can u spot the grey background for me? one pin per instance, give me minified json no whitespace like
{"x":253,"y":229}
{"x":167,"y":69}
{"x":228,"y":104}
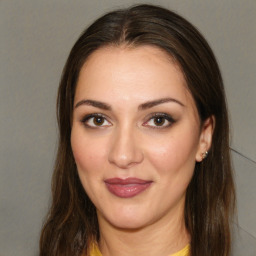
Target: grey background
{"x":36,"y":37}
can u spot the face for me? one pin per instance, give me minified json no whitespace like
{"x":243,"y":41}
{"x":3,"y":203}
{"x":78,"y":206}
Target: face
{"x":135,"y":135}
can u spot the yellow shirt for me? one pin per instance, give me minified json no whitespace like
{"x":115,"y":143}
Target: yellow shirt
{"x":184,"y":252}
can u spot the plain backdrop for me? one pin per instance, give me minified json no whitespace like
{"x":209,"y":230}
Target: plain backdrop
{"x":36,"y":37}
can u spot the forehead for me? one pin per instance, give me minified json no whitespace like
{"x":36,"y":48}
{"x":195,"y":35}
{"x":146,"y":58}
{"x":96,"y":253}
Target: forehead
{"x":131,"y":73}
{"x":137,"y":56}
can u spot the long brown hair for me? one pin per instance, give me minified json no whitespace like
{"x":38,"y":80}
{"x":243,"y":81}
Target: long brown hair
{"x":71,"y":224}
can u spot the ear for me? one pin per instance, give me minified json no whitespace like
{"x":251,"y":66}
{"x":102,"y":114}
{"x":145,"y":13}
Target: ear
{"x":205,"y":140}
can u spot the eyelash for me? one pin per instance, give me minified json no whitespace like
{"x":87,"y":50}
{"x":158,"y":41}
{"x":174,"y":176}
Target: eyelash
{"x":165,"y":116}
{"x":153,"y":117}
{"x":87,"y":118}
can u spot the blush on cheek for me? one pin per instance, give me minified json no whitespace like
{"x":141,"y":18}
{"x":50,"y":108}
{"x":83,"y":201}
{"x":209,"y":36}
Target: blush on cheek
{"x":77,"y":152}
{"x":170,"y":158}
{"x":81,"y":152}
{"x":84,"y":159}
{"x":165,"y":155}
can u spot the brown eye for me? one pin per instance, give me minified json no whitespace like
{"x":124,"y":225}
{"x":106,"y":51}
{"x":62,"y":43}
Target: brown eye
{"x":98,"y":121}
{"x":159,"y":121}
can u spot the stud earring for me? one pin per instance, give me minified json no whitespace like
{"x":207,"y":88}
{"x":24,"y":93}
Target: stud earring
{"x":204,"y":155}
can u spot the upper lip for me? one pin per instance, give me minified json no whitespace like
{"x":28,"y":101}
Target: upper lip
{"x":126,"y":181}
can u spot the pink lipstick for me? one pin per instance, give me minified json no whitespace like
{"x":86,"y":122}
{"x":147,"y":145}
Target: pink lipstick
{"x":126,"y":188}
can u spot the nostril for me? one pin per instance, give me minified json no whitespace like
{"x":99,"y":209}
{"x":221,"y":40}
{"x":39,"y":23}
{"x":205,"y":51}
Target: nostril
{"x":125,"y":154}
{"x":124,"y":161}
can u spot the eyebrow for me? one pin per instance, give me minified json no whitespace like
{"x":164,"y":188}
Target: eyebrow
{"x":154,"y":103}
{"x":94,"y":103}
{"x":143,"y":106}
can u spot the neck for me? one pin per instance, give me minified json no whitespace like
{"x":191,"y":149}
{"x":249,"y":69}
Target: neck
{"x":164,"y":237}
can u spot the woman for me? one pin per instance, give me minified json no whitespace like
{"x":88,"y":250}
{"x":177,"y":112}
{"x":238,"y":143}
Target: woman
{"x":143,"y":164}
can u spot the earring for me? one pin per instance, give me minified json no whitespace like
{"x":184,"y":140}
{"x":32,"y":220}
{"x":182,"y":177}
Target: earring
{"x":204,"y":155}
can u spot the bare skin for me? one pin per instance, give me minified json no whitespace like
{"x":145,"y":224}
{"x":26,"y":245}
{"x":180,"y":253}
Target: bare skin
{"x":134,"y":119}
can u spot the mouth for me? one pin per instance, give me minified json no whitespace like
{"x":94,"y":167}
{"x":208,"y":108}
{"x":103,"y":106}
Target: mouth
{"x":126,"y":188}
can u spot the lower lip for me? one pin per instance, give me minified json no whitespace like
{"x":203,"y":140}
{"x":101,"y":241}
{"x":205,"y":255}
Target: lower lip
{"x":127,"y":190}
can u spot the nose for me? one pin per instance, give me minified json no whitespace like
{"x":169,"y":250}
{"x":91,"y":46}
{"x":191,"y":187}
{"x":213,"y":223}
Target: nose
{"x":125,"y":150}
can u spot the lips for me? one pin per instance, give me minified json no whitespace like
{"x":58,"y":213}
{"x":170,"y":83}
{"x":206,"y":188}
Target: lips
{"x":126,"y":188}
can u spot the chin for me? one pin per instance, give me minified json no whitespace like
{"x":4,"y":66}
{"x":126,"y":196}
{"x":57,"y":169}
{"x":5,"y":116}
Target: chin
{"x":126,"y":219}
{"x":128,"y":224}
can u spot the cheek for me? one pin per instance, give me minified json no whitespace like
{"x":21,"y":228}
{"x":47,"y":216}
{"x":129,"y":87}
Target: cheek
{"x":89,"y":153}
{"x":90,"y":158}
{"x":175,"y":154}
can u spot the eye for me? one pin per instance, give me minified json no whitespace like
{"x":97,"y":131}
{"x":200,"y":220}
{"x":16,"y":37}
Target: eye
{"x":160,"y":120}
{"x":95,"y":120}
